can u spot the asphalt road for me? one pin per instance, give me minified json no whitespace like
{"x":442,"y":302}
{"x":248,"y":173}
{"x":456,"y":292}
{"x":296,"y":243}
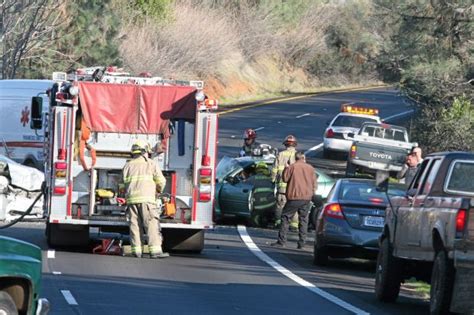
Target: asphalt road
{"x":227,"y":278}
{"x":305,"y":118}
{"x":230,"y":276}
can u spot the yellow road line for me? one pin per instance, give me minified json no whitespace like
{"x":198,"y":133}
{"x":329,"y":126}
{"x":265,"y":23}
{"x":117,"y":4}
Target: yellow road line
{"x":299,"y":97}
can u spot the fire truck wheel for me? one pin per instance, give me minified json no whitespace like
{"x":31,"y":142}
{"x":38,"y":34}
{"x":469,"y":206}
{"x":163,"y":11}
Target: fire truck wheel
{"x":183,"y":240}
{"x":58,"y":235}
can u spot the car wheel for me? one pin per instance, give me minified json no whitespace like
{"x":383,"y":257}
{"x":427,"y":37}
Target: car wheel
{"x":313,"y":217}
{"x":320,"y":254}
{"x":350,"y":169}
{"x":7,"y":305}
{"x":442,"y":280}
{"x":387,"y":274}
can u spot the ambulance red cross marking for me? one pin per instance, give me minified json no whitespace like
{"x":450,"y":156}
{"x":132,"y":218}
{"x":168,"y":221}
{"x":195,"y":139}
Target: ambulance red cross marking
{"x":25,"y":116}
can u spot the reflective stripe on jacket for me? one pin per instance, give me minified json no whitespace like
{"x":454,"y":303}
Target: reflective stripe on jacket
{"x":284,"y":158}
{"x":263,"y":192}
{"x":142,"y":177}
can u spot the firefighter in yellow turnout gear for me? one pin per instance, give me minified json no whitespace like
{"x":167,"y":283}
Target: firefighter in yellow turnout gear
{"x":142,"y":179}
{"x":263,"y":195}
{"x":285,"y":158}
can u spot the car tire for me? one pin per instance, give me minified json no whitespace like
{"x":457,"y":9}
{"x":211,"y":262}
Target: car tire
{"x":442,"y":281}
{"x":313,"y":217}
{"x":7,"y":305}
{"x":320,"y":254}
{"x":66,"y":235}
{"x":350,"y":169}
{"x":388,"y":274}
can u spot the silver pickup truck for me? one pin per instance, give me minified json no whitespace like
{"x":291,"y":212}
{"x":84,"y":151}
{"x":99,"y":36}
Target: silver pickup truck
{"x":378,"y":147}
{"x":429,"y":234}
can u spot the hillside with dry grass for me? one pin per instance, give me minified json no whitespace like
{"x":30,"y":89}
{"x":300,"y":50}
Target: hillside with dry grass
{"x":248,"y":49}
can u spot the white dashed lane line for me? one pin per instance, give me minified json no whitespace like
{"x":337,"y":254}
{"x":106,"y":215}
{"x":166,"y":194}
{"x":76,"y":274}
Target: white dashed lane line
{"x":259,"y":128}
{"x":57,"y":273}
{"x":315,"y":148}
{"x":69,"y":298}
{"x":304,"y":115}
{"x":265,"y":258}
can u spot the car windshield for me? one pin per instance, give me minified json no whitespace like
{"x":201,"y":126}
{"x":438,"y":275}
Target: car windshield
{"x":460,"y":179}
{"x":379,"y":131}
{"x":351,"y":121}
{"x":226,"y":166}
{"x":366,"y":192}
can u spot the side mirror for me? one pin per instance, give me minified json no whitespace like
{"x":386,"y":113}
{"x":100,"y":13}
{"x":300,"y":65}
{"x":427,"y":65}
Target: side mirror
{"x":381,"y":181}
{"x":36,"y":113}
{"x":328,"y":122}
{"x":350,"y":135}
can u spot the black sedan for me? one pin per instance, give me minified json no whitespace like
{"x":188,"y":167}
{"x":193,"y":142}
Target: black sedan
{"x":351,"y":220}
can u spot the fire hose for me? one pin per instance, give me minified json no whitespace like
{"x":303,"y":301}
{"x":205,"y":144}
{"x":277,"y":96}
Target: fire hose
{"x":27,"y":212}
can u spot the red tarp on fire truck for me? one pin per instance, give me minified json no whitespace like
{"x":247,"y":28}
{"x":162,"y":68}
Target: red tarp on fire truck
{"x":131,"y":108}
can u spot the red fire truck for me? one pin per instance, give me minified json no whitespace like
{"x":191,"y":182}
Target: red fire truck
{"x":94,"y":117}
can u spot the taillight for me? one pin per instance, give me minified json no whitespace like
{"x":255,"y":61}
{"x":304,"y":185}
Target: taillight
{"x":353,"y":151}
{"x":204,"y":196}
{"x":62,"y":154}
{"x":205,"y":184}
{"x":60,"y":181}
{"x":460,"y":222}
{"x":59,"y":190}
{"x":376,"y":200}
{"x":333,"y":210}
{"x":329,"y":133}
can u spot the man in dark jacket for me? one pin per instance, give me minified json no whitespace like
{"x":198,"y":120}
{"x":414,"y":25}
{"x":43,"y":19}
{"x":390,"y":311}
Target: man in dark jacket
{"x":409,"y":170}
{"x":301,"y":185}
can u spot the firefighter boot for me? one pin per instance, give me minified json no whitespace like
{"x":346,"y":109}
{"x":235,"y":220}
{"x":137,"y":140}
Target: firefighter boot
{"x":159,"y":255}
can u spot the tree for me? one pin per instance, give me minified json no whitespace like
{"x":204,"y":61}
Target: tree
{"x":430,"y":52}
{"x":24,"y":25}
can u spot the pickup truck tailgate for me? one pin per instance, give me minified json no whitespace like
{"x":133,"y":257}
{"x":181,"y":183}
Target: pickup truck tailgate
{"x":380,"y":154}
{"x":463,"y":291}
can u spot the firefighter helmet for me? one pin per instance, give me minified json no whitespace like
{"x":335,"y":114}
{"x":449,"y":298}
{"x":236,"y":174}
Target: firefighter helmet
{"x":140,"y":147}
{"x":250,"y":134}
{"x":290,"y":140}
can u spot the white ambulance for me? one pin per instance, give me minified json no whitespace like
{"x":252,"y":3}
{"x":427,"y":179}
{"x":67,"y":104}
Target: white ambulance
{"x":91,"y":125}
{"x":17,"y":140}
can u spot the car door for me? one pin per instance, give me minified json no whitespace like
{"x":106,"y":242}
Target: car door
{"x":429,"y":206}
{"x":408,"y":220}
{"x":235,"y":197}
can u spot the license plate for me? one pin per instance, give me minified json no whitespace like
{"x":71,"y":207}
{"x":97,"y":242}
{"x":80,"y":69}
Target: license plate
{"x":374,"y":221}
{"x":375,"y":165}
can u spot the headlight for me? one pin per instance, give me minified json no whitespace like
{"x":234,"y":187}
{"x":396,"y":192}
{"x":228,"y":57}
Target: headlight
{"x":200,"y":96}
